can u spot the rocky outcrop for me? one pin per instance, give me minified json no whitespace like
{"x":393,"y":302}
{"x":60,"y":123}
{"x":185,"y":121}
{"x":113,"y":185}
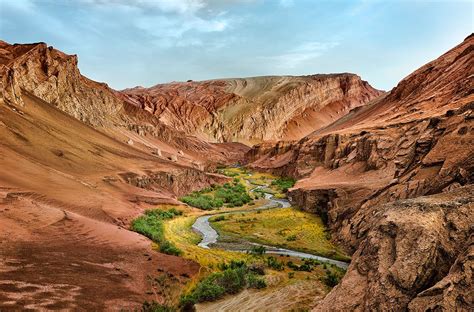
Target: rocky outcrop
{"x":417,"y":140}
{"x":254,"y":109}
{"x":179,"y":182}
{"x":417,"y":253}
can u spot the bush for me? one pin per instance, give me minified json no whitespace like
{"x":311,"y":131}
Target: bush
{"x":283,"y":184}
{"x":151,"y":225}
{"x":234,"y":195}
{"x":234,"y":277}
{"x":291,"y":238}
{"x":291,"y":274}
{"x":232,"y":280}
{"x":255,"y":282}
{"x":304,"y":267}
{"x":234,"y":264}
{"x":169,"y":248}
{"x":207,"y":290}
{"x":273,"y":263}
{"x":331,"y":279}
{"x":154,"y":306}
{"x":187,"y":302}
{"x":218,"y":218}
{"x":258,"y":250}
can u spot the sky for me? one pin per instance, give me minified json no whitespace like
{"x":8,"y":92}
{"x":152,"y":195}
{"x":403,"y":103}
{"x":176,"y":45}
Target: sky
{"x":128,"y":43}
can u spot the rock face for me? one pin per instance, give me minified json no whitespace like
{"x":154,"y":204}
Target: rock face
{"x":417,"y":253}
{"x":251,"y":110}
{"x":54,"y":77}
{"x":415,"y":141}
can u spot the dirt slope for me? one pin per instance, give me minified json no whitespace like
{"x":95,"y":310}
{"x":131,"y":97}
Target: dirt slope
{"x":250,"y":110}
{"x":416,"y":140}
{"x":76,"y":166}
{"x":54,"y":77}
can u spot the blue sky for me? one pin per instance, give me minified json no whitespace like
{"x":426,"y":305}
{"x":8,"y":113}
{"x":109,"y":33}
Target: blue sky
{"x":144,"y":42}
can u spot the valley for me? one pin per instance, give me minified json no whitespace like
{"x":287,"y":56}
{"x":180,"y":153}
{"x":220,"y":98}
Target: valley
{"x":269,"y":193}
{"x":276,"y":268}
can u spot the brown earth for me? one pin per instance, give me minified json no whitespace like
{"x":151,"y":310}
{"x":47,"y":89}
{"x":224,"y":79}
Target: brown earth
{"x":77,"y":165}
{"x":416,"y":140}
{"x":252,"y":110}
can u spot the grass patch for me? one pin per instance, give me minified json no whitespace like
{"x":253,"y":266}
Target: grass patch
{"x":232,"y":194}
{"x":154,"y":306}
{"x":286,"y":227}
{"x":232,"y":278}
{"x":180,"y":233}
{"x":284,"y":183}
{"x":151,"y":225}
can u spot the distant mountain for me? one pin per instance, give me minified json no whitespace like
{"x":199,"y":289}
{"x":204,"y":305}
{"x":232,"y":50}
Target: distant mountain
{"x":252,"y":110}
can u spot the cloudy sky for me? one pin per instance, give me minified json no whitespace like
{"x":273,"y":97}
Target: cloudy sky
{"x":144,"y":42}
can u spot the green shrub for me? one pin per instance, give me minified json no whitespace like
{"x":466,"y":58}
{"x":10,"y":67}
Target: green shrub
{"x":291,"y":274}
{"x":233,"y":195}
{"x":154,"y":306}
{"x":284,"y":183}
{"x":232,"y":280}
{"x":291,"y":238}
{"x":169,"y":248}
{"x":273,"y":263}
{"x":255,"y":282}
{"x":234,"y":264}
{"x":208,"y":290}
{"x":234,"y":277}
{"x":331,"y":279}
{"x":151,"y":225}
{"x":304,"y":267}
{"x":218,"y":218}
{"x":258,"y":250}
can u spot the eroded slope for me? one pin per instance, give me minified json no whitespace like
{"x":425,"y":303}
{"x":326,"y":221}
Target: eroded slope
{"x":255,"y":109}
{"x":417,"y":140}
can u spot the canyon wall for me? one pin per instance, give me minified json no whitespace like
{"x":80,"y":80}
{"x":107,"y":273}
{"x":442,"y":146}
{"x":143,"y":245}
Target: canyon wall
{"x":417,"y":140}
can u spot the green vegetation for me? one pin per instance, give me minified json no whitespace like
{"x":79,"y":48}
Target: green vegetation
{"x":202,"y":201}
{"x":151,"y":225}
{"x":258,"y":250}
{"x":284,"y":227}
{"x":218,"y":218}
{"x":283,"y":184}
{"x":273,"y":263}
{"x":231,"y":194}
{"x":154,"y":306}
{"x":331,"y":279}
{"x":232,"y":279}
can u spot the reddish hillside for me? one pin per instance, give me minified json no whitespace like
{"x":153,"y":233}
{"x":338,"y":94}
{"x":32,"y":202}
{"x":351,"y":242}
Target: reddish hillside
{"x":77,"y":164}
{"x":251,"y":110}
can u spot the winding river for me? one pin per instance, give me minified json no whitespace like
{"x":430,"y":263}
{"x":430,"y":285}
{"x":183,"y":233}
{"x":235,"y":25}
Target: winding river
{"x":210,"y":235}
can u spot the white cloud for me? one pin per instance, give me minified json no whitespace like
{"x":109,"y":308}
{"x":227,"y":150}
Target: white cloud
{"x":301,"y":54}
{"x":166,"y":6}
{"x":168,"y":23}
